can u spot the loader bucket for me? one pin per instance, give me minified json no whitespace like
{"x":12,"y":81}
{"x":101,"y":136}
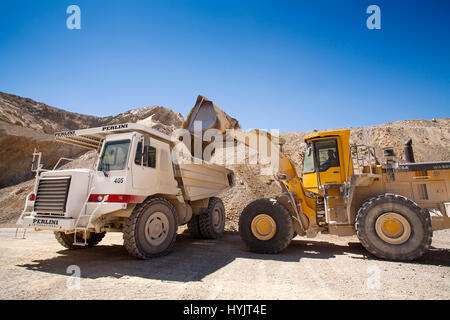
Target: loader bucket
{"x":210,"y":116}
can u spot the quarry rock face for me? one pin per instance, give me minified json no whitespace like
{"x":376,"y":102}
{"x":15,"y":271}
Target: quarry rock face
{"x":26,"y":124}
{"x":27,"y":113}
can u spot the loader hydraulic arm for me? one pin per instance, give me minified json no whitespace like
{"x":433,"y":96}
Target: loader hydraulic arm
{"x":212,"y":117}
{"x":285,"y":174}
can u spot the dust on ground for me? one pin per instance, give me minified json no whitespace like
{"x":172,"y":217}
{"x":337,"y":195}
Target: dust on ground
{"x":326,"y":267}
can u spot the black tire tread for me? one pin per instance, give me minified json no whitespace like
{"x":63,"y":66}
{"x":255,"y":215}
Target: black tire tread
{"x":280,"y":241}
{"x":380,"y":198}
{"x":129,"y":231}
{"x":67,"y":240}
{"x":194,"y":226}
{"x":205,"y":220}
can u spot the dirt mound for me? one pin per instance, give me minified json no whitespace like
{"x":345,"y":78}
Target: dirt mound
{"x":157,"y":117}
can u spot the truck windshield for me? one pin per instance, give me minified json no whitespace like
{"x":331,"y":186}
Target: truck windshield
{"x":114,"y":155}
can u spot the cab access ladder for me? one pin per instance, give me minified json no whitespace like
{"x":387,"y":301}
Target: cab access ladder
{"x":83,"y":227}
{"x":343,"y":195}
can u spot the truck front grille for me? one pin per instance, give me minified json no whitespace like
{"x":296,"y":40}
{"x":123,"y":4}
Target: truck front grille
{"x":51,"y":196}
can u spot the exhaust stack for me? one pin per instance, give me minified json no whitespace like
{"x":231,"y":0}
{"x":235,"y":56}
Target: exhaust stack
{"x":409,"y":153}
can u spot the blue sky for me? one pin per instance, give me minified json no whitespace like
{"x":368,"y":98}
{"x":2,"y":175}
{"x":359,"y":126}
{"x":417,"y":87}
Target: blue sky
{"x":289,"y":65}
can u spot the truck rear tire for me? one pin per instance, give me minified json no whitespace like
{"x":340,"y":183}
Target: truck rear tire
{"x":209,"y":225}
{"x":151,"y":230}
{"x":194,"y":227}
{"x":266,"y":226}
{"x":393,"y":227}
{"x":212,"y":223}
{"x":67,"y":240}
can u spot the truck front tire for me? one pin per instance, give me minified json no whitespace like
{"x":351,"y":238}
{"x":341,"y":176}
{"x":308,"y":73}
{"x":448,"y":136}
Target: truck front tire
{"x":67,"y":240}
{"x":151,"y":230}
{"x":393,"y":227}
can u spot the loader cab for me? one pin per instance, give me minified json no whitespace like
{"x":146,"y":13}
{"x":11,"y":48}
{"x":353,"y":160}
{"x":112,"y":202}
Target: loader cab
{"x":326,"y":159}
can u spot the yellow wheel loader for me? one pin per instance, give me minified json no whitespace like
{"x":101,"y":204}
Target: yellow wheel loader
{"x":393,"y":208}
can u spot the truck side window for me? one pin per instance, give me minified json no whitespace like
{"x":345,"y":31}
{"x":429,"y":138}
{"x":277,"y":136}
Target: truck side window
{"x":327,"y":154}
{"x":151,"y":155}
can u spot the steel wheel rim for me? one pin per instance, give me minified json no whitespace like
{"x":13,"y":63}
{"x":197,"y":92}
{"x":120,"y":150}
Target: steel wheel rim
{"x":217,"y":219}
{"x":156,"y":228}
{"x":393,"y":228}
{"x":263,"y":227}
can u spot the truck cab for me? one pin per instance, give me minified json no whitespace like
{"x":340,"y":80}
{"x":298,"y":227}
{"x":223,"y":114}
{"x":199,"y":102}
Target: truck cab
{"x":134,"y":164}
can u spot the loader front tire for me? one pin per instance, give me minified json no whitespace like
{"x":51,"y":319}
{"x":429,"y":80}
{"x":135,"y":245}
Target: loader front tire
{"x":266,"y":226}
{"x":67,"y":240}
{"x":393,"y":227}
{"x":151,"y":230}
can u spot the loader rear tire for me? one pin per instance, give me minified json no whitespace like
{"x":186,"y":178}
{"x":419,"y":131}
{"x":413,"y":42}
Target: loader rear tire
{"x":266,"y":226}
{"x":67,"y":240}
{"x":212,"y":223}
{"x":151,"y":230}
{"x":393,"y":227}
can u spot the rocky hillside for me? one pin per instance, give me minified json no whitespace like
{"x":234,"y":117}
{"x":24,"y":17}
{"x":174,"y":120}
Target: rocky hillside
{"x":27,"y":113}
{"x":26,"y":124}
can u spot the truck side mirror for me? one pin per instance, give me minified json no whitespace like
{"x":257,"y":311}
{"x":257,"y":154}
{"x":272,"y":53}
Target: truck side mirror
{"x":34,"y":165}
{"x":138,"y":157}
{"x":145,"y":150}
{"x":36,"y":162}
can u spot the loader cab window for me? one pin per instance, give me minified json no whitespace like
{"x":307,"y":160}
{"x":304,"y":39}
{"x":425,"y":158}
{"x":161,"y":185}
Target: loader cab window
{"x":327,"y":154}
{"x":114,"y":155}
{"x":149,"y":158}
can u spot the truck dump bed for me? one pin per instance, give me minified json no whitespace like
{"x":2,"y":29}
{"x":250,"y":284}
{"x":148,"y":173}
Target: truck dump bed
{"x":200,"y":181}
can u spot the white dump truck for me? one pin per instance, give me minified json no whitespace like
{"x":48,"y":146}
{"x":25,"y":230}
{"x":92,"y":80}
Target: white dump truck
{"x":135,"y":187}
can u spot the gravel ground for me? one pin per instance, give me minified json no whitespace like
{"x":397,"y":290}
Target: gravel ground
{"x":326,"y":267}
